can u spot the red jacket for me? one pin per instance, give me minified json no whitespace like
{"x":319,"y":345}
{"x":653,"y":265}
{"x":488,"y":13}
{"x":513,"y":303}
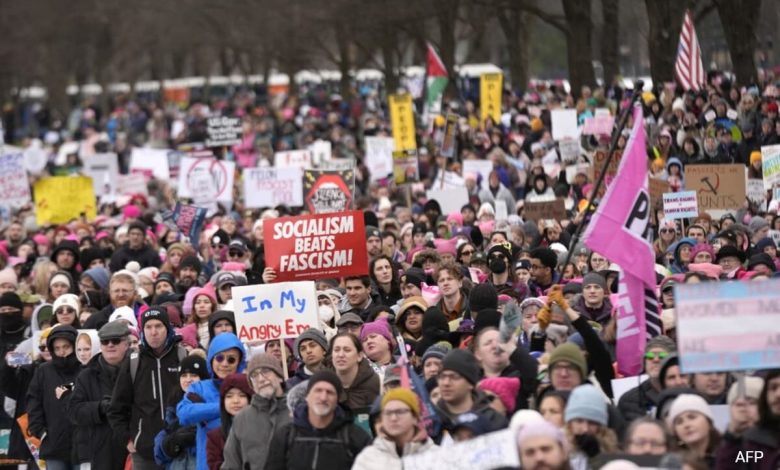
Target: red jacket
{"x":215,"y":444}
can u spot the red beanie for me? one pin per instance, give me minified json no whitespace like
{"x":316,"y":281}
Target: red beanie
{"x":505,"y":388}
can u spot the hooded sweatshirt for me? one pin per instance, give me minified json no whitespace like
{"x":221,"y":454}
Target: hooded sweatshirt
{"x":201,"y":404}
{"x":677,"y":266}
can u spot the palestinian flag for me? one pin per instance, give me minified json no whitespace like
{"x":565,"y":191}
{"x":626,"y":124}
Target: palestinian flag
{"x":435,"y":84}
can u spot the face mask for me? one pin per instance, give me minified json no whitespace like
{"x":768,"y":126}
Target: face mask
{"x":497,"y":265}
{"x":326,"y":313}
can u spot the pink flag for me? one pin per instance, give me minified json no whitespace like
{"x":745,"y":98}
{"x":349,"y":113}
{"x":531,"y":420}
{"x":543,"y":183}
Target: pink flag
{"x":620,"y":230}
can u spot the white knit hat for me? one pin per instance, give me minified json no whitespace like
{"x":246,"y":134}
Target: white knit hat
{"x":67,"y":300}
{"x":688,"y":402}
{"x":124,"y":313}
{"x":753,"y":387}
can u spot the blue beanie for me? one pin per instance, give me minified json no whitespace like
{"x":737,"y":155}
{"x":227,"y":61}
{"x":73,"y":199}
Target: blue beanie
{"x":586,"y":402}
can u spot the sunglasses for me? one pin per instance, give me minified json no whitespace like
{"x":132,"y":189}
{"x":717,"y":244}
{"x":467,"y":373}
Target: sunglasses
{"x":114,"y":341}
{"x":235,"y":254}
{"x":667,"y":230}
{"x":467,"y":252}
{"x":222,"y":358}
{"x":656,"y":355}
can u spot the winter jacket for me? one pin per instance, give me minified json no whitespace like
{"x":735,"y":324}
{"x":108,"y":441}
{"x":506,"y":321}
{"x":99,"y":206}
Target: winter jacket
{"x":215,"y":443}
{"x":14,"y":383}
{"x":137,"y":411}
{"x":382,"y":454}
{"x":203,"y":412}
{"x":174,"y":446}
{"x":502,"y":193}
{"x":364,"y":389}
{"x":639,"y":401}
{"x":756,"y":439}
{"x":301,"y":375}
{"x":145,"y":256}
{"x":97,"y":443}
{"x":600,"y":315}
{"x":480,"y":406}
{"x":97,"y":320}
{"x":48,"y":420}
{"x":247,"y":445}
{"x":300,"y":446}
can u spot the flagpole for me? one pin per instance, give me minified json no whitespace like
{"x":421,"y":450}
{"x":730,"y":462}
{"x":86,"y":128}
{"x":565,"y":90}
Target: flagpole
{"x":638,"y":85}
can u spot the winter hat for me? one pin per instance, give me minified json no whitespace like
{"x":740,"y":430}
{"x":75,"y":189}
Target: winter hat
{"x":190,"y":261}
{"x":208,"y":291}
{"x":505,"y":388}
{"x":571,"y":353}
{"x":753,"y":387}
{"x":594,"y":278}
{"x":475,"y":422}
{"x":124,"y":313}
{"x":60,"y":277}
{"x":194,"y":364}
{"x":113,"y":329}
{"x":483,"y":296}
{"x":662,"y":341}
{"x":67,"y":300}
{"x":8,"y":276}
{"x":379,"y":327}
{"x":189,"y":337}
{"x":156,"y":313}
{"x":11,"y":299}
{"x":414,"y":276}
{"x":325,"y":376}
{"x":66,"y":245}
{"x":755,"y":156}
{"x":687,"y":402}
{"x":572,"y":288}
{"x":221,"y":315}
{"x":405,"y":396}
{"x":88,"y":255}
{"x":761,"y":259}
{"x":456,"y":217}
{"x":415,"y":301}
{"x":542,"y":428}
{"x":235,"y":380}
{"x":757,"y":223}
{"x":61,"y":331}
{"x":101,"y":276}
{"x":487,"y":319}
{"x":438,"y":351}
{"x":372,"y":232}
{"x":265,"y":361}
{"x":45,"y":313}
{"x":585,"y":402}
{"x":702,"y":247}
{"x":730,"y":251}
{"x":312,"y":334}
{"x":504,"y":248}
{"x":165,"y":277}
{"x":464,"y":363}
{"x":765,"y":243}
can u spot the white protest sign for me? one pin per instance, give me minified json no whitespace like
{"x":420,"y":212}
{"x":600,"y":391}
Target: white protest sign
{"x":478,"y":167}
{"x":321,"y":151}
{"x":281,"y":310}
{"x":501,"y":210}
{"x":150,"y":162}
{"x":770,"y":165}
{"x":494,"y":450}
{"x":622,"y":385}
{"x":103,"y":168}
{"x":573,"y":170}
{"x":270,"y":187}
{"x":598,"y":125}
{"x":728,"y":326}
{"x":756,"y":193}
{"x":223,"y":131}
{"x":379,"y":157}
{"x":14,"y":186}
{"x":680,"y":205}
{"x":570,"y":150}
{"x":35,"y":158}
{"x":297,"y":158}
{"x":336,"y":164}
{"x":564,"y":124}
{"x":450,"y":200}
{"x":204,"y":190}
{"x":448,"y":180}
{"x":222,"y":172}
{"x":134,"y":183}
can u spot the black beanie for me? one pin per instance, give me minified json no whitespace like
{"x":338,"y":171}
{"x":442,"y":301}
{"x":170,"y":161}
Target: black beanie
{"x":464,"y":363}
{"x":487,"y":318}
{"x":11,"y":299}
{"x":88,"y":255}
{"x":414,"y":276}
{"x":190,"y":261}
{"x":194,"y":364}
{"x":483,"y":296}
{"x":61,"y":331}
{"x":156,"y":313}
{"x":325,"y":376}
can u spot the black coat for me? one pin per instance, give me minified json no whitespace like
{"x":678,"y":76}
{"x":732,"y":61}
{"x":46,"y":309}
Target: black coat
{"x":14,"y":383}
{"x":48,"y":419}
{"x":638,"y":401}
{"x":96,"y":441}
{"x":146,"y":257}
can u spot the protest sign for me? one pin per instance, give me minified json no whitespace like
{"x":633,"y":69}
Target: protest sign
{"x":35,"y":157}
{"x":60,"y":199}
{"x":564,"y":124}
{"x":188,"y":219}
{"x":316,"y":246}
{"x":379,"y":157}
{"x":270,"y":187}
{"x":776,"y":194}
{"x":573,"y":170}
{"x":478,"y":168}
{"x":150,"y":162}
{"x":658,"y":188}
{"x":717,"y":186}
{"x":328,"y":191}
{"x":448,"y":180}
{"x":622,"y":385}
{"x":598,"y":125}
{"x":293,"y":158}
{"x":133,"y":183}
{"x":447,"y":148}
{"x":599,"y":158}
{"x":321,"y":151}
{"x":223,"y":131}
{"x":681,"y":205}
{"x":728,"y":326}
{"x":494,"y":450}
{"x":402,"y":122}
{"x":490,"y":94}
{"x":103,"y":168}
{"x":337,"y":164}
{"x":756,"y":193}
{"x":501,"y":210}
{"x":570,"y":150}
{"x":545,"y":210}
{"x":14,"y":186}
{"x":278,"y":310}
{"x":194,"y":169}
{"x":450,"y":200}
{"x":770,"y":165}
{"x":406,"y":168}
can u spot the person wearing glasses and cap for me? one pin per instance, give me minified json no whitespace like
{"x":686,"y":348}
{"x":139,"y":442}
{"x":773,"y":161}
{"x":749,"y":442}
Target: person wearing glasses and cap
{"x":91,"y":399}
{"x":642,"y":399}
{"x":201,"y":404}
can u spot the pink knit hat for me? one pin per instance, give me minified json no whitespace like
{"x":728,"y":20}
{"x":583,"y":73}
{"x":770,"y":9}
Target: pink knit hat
{"x":379,"y":327}
{"x":189,"y":336}
{"x":41,"y":239}
{"x":505,"y":388}
{"x":456,"y":217}
{"x":702,"y":247}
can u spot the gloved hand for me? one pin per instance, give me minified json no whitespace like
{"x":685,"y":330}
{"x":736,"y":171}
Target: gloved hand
{"x":179,"y":440}
{"x":104,"y":405}
{"x":544,"y":316}
{"x":556,"y":295}
{"x":588,"y":444}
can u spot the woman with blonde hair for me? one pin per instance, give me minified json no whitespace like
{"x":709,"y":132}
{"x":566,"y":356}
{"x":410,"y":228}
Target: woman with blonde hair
{"x":41,"y":274}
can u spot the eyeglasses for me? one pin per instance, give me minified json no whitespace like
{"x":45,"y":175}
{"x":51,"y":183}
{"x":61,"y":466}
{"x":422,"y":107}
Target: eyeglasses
{"x":656,"y":355}
{"x":257,"y":373}
{"x":235,"y":254}
{"x":467,"y":252}
{"x":65,"y":310}
{"x":396,"y":413}
{"x":222,"y":358}
{"x":121,"y":291}
{"x":114,"y":341}
{"x":42,"y":348}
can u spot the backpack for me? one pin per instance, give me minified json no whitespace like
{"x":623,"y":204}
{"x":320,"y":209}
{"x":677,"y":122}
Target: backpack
{"x":343,"y":439}
{"x":135,"y":359}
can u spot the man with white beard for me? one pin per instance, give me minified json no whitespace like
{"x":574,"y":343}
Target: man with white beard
{"x":253,"y":428}
{"x":322,"y":435}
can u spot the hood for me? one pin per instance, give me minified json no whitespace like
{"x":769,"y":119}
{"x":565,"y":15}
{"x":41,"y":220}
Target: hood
{"x":676,"y":247}
{"x":221,"y":315}
{"x":101,"y":276}
{"x":674,"y":161}
{"x":222,"y":343}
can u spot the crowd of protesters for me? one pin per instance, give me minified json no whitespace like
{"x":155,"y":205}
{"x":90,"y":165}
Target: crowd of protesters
{"x":119,"y":341}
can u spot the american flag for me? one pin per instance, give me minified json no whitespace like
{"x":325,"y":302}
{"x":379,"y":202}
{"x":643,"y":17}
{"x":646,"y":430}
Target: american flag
{"x":688,"y":67}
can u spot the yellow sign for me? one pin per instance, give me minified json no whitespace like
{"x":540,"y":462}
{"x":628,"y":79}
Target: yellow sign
{"x":402,"y":120}
{"x":60,"y":199}
{"x":490,"y":86}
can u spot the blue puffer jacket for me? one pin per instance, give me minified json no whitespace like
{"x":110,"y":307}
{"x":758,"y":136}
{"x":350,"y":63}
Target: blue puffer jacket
{"x":205,"y":414}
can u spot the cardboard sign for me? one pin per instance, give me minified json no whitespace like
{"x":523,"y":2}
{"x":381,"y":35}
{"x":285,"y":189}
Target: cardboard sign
{"x":271,"y":187}
{"x":293,"y":158}
{"x":447,"y":148}
{"x":545,"y":210}
{"x":14,"y":186}
{"x":490,"y":95}
{"x":450,"y":200}
{"x":680,"y":205}
{"x":756,"y":193}
{"x":658,"y":188}
{"x":316,"y":246}
{"x":599,"y":159}
{"x":150,"y":162}
{"x":328,"y":191}
{"x":60,"y":199}
{"x":402,"y":122}
{"x":103,"y":168}
{"x":770,"y":165}
{"x":223,"y":131}
{"x":266,"y":312}
{"x":599,"y":125}
{"x":220,"y":171}
{"x":717,"y":186}
{"x":494,"y":450}
{"x":564,"y":124}
{"x":728,"y":326}
{"x":379,"y":157}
